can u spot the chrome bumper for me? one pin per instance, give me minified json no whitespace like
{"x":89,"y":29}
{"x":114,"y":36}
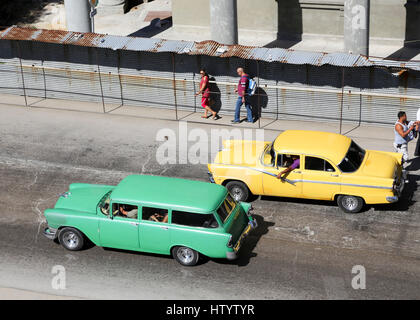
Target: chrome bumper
{"x":392,"y":199}
{"x":50,"y":233}
{"x":210,"y":177}
{"x":231,"y":255}
{"x":399,"y":189}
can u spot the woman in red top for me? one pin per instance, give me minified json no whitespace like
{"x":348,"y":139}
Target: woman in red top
{"x":205,"y":95}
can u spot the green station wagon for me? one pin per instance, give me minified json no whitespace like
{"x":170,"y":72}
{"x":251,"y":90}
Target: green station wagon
{"x":153,"y":214}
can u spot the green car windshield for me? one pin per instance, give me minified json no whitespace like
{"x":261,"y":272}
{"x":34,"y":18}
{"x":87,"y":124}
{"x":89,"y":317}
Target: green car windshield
{"x":104,"y":203}
{"x":226,"y":208}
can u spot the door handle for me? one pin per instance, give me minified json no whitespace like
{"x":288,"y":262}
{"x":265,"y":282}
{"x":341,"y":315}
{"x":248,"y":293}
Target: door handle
{"x":134,"y":223}
{"x":164,"y":228}
{"x":297,"y":171}
{"x":334,"y":175}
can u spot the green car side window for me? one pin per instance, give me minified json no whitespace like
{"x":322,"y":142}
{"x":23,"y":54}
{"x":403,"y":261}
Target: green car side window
{"x":194,"y":219}
{"x":155,"y":214}
{"x":124,"y":210}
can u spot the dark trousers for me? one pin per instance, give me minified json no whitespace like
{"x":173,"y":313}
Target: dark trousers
{"x":417,"y":151}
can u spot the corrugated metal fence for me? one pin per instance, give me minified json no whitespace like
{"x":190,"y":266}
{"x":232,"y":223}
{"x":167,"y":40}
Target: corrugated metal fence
{"x":169,"y":80}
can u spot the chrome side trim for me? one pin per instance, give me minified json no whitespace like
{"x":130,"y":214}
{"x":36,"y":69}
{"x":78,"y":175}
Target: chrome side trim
{"x":392,"y":199}
{"x":315,"y":181}
{"x":346,"y":184}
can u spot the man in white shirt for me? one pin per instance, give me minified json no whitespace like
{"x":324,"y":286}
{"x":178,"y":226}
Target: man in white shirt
{"x":417,"y":151}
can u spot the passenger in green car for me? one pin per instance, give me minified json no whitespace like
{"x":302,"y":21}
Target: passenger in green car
{"x":159,"y":218}
{"x":132,"y":214}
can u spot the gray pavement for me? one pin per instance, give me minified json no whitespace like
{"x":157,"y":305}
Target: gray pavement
{"x":303,"y":250}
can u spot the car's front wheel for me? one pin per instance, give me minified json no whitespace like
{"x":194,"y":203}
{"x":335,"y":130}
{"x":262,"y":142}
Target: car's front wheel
{"x":238,"y":190}
{"x":185,"y":256}
{"x":350,"y":204}
{"x":71,"y":239}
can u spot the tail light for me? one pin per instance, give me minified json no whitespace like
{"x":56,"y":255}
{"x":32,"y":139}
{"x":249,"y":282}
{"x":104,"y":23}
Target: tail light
{"x":230,"y":243}
{"x":250,"y":210}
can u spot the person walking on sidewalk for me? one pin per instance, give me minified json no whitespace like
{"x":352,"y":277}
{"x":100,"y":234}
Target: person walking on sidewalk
{"x":243,"y":97}
{"x":205,"y":95}
{"x":403,"y":134}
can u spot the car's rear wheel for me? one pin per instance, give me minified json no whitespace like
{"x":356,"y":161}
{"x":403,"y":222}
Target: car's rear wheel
{"x":185,"y":256}
{"x":71,"y":239}
{"x":238,"y":190}
{"x":350,"y":204}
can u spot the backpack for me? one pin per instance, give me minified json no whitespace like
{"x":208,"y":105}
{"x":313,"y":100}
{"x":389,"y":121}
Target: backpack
{"x":252,"y":87}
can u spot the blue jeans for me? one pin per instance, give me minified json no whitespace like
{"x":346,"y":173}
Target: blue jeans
{"x":238,"y":109}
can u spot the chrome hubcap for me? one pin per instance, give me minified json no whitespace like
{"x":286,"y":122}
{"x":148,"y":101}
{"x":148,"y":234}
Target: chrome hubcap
{"x":350,"y":203}
{"x":186,"y":255}
{"x":236,"y":193}
{"x":71,"y":240}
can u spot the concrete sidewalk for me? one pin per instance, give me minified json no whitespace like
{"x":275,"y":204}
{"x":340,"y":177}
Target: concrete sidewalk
{"x":378,"y":137}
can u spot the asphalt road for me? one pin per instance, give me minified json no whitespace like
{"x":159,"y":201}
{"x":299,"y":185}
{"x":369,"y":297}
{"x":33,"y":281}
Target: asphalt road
{"x":303,"y":249}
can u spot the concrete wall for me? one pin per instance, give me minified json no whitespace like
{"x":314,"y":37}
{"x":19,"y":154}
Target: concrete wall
{"x":390,"y":19}
{"x":191,"y":13}
{"x":260,"y":15}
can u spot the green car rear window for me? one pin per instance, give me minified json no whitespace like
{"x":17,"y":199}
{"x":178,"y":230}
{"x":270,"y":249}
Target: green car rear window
{"x":194,"y":219}
{"x":226,"y":208}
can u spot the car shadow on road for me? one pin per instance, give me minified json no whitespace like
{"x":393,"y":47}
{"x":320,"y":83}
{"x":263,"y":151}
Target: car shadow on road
{"x":139,"y":253}
{"x":246,"y":252}
{"x":299,"y":201}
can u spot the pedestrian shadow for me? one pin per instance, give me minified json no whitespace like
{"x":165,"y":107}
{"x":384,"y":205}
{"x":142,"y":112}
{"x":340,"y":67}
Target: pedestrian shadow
{"x":215,"y":94}
{"x":258,"y":101}
{"x":155,"y":27}
{"x":249,"y":243}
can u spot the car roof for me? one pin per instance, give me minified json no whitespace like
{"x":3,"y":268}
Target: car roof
{"x":332,"y":146}
{"x":173,"y":193}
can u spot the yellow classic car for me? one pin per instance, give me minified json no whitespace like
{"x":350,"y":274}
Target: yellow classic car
{"x":332,"y":167}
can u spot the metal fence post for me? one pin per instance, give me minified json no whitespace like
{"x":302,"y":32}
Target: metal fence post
{"x":342,"y":100}
{"x":277,"y":100}
{"x":45,"y":81}
{"x":174,"y":85}
{"x":360,"y":108}
{"x":100,"y":80}
{"x":195,"y":97}
{"x":119,"y":76}
{"x":21,"y":72}
{"x":258,"y":96}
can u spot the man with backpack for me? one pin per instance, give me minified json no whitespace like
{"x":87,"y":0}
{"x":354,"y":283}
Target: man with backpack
{"x":243,"y":98}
